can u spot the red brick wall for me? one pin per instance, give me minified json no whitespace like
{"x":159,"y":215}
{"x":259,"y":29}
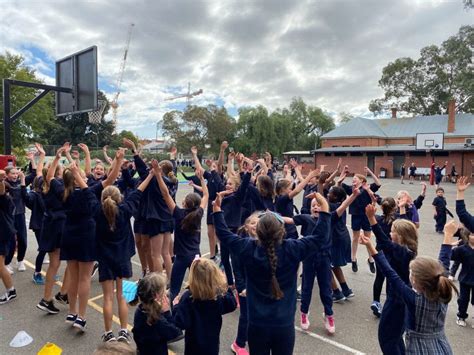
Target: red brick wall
{"x":377,"y":142}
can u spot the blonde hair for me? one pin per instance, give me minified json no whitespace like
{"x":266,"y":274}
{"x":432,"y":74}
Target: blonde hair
{"x":235,"y":179}
{"x":402,"y":193}
{"x":110,"y":199}
{"x":206,"y":280}
{"x":408,"y":234}
{"x":151,"y":286}
{"x":361,"y":177}
{"x":431,"y":280}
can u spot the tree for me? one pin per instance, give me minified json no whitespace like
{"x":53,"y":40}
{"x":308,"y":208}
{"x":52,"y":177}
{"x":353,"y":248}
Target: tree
{"x":344,"y":117}
{"x":35,"y":122}
{"x":118,"y":138}
{"x":424,"y":86}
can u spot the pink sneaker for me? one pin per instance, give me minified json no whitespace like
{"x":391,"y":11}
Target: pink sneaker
{"x":304,"y":321}
{"x":329,"y":324}
{"x":238,"y":350}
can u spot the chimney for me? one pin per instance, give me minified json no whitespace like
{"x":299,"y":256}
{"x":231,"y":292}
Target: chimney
{"x":394,"y":112}
{"x":451,"y":115}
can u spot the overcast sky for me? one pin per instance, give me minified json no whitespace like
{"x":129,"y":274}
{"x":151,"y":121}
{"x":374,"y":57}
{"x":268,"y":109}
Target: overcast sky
{"x":331,"y":53}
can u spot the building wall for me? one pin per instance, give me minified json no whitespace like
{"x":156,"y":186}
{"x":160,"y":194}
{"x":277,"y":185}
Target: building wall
{"x":357,"y":163}
{"x":377,"y":142}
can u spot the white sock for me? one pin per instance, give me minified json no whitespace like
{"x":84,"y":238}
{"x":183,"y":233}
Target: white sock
{"x":11,"y":289}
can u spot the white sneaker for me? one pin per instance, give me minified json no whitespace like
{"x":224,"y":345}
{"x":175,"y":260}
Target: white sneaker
{"x":21,"y":266}
{"x":461,"y":322}
{"x":10,"y":269}
{"x":46,"y":261}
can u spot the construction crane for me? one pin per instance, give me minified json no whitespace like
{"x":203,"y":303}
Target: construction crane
{"x":189,"y":95}
{"x":118,"y":85}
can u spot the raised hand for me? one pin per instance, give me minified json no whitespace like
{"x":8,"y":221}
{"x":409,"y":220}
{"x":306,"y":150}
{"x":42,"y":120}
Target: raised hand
{"x":59,"y":152}
{"x":83,"y":147}
{"x":67,"y":147}
{"x":370,"y":211}
{"x":224,"y":145}
{"x":216,"y":205}
{"x":129,"y":144}
{"x":463,"y":184}
{"x":194,"y":150}
{"x":40,"y":149}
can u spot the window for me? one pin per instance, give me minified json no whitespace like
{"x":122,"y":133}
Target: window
{"x":356,"y":154}
{"x":418,"y":154}
{"x":327,"y":154}
{"x":396,"y":154}
{"x":340,"y":154}
{"x":441,"y":153}
{"x":375,"y":154}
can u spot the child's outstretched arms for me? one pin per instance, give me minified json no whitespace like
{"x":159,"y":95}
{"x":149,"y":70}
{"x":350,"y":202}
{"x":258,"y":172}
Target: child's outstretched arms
{"x":464,"y":216}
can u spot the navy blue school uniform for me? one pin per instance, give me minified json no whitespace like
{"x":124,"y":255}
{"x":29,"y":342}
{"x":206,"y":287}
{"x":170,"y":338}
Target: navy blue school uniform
{"x":202,"y":321}
{"x":185,"y":248}
{"x":340,"y":238}
{"x":152,"y":339}
{"x":357,"y":208}
{"x":113,"y":247}
{"x":195,"y":180}
{"x":7,"y":224}
{"x":214,"y":185}
{"x":91,"y":180}
{"x":464,"y":216}
{"x":260,"y":203}
{"x":271,"y":322}
{"x":425,"y":319}
{"x":306,"y":206}
{"x":54,"y":217}
{"x":392,"y":321}
{"x":318,"y":265}
{"x":284,"y":206}
{"x":440,"y":204}
{"x":402,"y":171}
{"x":412,"y":170}
{"x":79,"y":238}
{"x":465,"y":256}
{"x":439,"y":174}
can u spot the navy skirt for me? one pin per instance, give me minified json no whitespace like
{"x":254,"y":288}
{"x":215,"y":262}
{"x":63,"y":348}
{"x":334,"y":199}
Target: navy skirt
{"x":51,"y":234}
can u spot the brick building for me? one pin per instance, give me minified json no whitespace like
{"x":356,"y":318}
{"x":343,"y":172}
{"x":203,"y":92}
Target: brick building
{"x":387,"y":143}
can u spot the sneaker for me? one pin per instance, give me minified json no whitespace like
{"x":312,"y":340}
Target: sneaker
{"x":178,"y":338}
{"x":108,"y":337}
{"x":71,"y":318}
{"x":38,"y":278}
{"x":238,"y":350}
{"x":355,"y":268}
{"x":371,"y":266}
{"x":45,"y":261}
{"x":21,"y":266}
{"x":338,"y":297}
{"x":10,"y":269}
{"x":461,"y":322}
{"x":95,"y":268}
{"x":47,"y":306}
{"x":329,"y":324}
{"x":298,"y":295}
{"x":61,"y":298}
{"x":124,"y":336}
{"x":80,"y":324}
{"x":376,"y":308}
{"x":348,"y":293}
{"x":8,"y":296}
{"x":304,"y":321}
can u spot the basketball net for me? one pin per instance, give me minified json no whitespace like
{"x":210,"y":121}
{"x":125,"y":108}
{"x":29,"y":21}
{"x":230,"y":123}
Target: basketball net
{"x":96,"y":116}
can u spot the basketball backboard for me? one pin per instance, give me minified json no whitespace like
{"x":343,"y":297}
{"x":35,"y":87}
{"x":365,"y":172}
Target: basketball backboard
{"x":78,"y":72}
{"x":429,"y":141}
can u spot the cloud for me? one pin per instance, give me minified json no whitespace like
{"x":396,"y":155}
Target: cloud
{"x":331,"y":53}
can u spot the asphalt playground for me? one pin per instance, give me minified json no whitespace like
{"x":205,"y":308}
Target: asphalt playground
{"x":356,"y":327}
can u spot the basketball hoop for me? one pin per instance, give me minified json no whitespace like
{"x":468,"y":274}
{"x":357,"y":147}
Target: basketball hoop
{"x":96,"y":116}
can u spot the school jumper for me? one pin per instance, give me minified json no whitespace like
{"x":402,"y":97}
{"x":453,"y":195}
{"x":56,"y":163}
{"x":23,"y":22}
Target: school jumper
{"x":195,"y":180}
{"x":318,"y":265}
{"x":439,"y":174}
{"x":306,"y":205}
{"x":392,"y":321}
{"x":202,"y":321}
{"x":54,"y":217}
{"x":440,"y":204}
{"x":284,"y":206}
{"x":116,"y":248}
{"x":465,"y":256}
{"x":214,"y":185}
{"x":186,"y":247}
{"x":357,"y":208}
{"x":152,"y":339}
{"x":425,"y":319}
{"x":259,"y":203}
{"x":271,"y":322}
{"x":464,"y":216}
{"x":7,"y":223}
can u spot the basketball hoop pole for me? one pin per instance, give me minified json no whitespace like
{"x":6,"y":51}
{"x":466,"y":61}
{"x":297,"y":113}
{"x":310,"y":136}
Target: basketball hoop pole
{"x":8,"y":119}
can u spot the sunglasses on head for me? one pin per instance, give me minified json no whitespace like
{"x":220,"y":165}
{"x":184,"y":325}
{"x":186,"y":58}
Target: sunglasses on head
{"x":276,"y":215}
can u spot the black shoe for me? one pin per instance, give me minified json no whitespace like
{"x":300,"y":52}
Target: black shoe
{"x":371,"y":266}
{"x":338,"y":296}
{"x":124,"y":336}
{"x":80,"y":324}
{"x":47,"y":306}
{"x":61,"y":298}
{"x":8,"y":296}
{"x":348,"y":293}
{"x":355,"y":268}
{"x":108,"y":337}
{"x":71,"y":318}
{"x":94,"y":269}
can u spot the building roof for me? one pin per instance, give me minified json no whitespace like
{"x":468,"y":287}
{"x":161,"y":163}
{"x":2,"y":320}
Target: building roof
{"x":403,"y":127}
{"x":391,"y":148}
{"x":155,"y":146}
{"x":298,"y":152}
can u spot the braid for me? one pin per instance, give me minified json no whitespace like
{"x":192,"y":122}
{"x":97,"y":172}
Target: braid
{"x":275,"y":286}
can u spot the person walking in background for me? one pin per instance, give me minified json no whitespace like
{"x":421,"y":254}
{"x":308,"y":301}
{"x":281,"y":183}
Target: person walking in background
{"x":412,"y":172}
{"x":402,"y":173}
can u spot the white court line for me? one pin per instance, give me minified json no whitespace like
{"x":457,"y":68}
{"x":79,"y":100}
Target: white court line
{"x":138,"y":264}
{"x":331,"y":342}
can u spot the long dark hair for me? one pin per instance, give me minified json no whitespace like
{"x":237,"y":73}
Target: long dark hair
{"x":265,"y":186}
{"x":270,"y":233}
{"x":389,"y":210}
{"x":192,"y":222}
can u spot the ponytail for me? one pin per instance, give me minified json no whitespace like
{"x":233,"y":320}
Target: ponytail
{"x":148,"y":288}
{"x":277,"y":293}
{"x":167,"y":168}
{"x":110,"y":199}
{"x":68,"y":179}
{"x":389,"y":209}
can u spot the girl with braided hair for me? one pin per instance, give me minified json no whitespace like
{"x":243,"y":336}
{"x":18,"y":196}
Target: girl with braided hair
{"x":271,"y":262}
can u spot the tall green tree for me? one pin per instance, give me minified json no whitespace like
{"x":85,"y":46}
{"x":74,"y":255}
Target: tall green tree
{"x":35,"y":122}
{"x":424,"y":86}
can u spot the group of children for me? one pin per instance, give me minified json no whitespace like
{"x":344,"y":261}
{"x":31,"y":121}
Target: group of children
{"x":84,"y":218}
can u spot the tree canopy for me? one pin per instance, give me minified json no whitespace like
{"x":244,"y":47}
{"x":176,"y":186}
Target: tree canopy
{"x":424,"y":86}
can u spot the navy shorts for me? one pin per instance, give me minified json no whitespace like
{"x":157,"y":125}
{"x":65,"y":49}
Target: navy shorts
{"x":51,"y":234}
{"x":113,"y":271}
{"x":360,"y":221}
{"x":139,"y":226}
{"x":4,"y":246}
{"x":153,"y":227}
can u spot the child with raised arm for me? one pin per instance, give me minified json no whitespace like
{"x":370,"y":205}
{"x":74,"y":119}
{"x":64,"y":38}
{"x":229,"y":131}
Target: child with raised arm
{"x":271,"y":264}
{"x":464,"y":216}
{"x":426,"y":302}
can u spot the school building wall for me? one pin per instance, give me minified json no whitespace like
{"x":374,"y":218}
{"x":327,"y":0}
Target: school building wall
{"x":378,"y":142}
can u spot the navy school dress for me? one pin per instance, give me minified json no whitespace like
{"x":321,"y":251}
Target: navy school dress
{"x":214,"y":185}
{"x":357,"y":208}
{"x":340,"y":238}
{"x":202,"y":321}
{"x":54,"y":217}
{"x":7,"y":227}
{"x":114,"y":247}
{"x":260,"y":203}
{"x":34,"y":201}
{"x":79,"y":238}
{"x":284,"y":206}
{"x":152,"y":339}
